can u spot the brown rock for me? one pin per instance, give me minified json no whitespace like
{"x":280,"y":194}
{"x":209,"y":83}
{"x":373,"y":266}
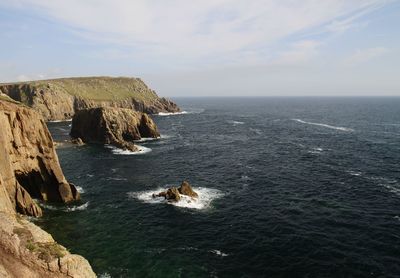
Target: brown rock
{"x":29,"y":166}
{"x":28,"y":251}
{"x":116,"y":126}
{"x":172,"y":194}
{"x":186,"y":189}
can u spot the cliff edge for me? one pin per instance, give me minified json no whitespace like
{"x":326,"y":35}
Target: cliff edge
{"x":59,"y":99}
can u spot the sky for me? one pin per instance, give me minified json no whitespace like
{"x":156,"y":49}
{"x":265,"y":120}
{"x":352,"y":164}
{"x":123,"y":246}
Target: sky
{"x":209,"y":47}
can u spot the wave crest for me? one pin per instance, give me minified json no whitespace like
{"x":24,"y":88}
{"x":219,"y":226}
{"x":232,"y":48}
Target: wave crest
{"x":325,"y":125}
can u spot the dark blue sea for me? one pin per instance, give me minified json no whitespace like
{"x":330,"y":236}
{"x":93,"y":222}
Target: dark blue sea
{"x":289,"y":187}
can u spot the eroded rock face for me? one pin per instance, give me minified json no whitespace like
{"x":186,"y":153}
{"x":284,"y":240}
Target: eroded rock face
{"x":59,"y":99}
{"x":116,"y":126}
{"x":29,"y":166}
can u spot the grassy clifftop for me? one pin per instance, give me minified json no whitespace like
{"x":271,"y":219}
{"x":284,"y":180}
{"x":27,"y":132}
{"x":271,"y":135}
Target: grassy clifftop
{"x":96,"y":88}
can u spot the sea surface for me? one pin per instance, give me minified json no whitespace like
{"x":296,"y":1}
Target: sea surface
{"x":289,"y":187}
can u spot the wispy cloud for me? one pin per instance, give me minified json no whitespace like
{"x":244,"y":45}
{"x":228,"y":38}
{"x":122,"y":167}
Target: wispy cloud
{"x":364,"y":55}
{"x":201,"y":32}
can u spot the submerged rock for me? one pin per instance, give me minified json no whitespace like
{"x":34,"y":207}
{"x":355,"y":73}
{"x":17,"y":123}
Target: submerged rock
{"x":110,"y":125}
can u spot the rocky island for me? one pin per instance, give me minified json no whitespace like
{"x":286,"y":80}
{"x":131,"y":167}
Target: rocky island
{"x":29,"y":169}
{"x":59,"y":99}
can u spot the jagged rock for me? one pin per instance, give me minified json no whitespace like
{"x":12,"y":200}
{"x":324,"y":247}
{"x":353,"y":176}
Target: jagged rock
{"x":29,"y":166}
{"x":115,"y":126}
{"x":174,"y":194}
{"x":59,"y":99}
{"x":186,"y":189}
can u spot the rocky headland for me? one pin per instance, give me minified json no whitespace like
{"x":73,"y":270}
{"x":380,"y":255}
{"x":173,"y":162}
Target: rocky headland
{"x":29,"y":169}
{"x":115,"y":126}
{"x":60,"y":99}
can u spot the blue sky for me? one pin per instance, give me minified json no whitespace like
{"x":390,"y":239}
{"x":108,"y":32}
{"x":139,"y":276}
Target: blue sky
{"x":209,"y":48}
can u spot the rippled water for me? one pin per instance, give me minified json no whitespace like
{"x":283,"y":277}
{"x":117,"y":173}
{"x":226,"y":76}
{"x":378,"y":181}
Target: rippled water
{"x":291,"y":187}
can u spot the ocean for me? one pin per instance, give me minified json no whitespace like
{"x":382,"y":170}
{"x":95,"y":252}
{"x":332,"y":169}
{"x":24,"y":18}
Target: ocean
{"x":289,"y":187}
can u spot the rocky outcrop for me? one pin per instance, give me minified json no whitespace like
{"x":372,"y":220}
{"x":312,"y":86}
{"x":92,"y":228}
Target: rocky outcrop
{"x":26,"y":251}
{"x":173,"y":194}
{"x":116,"y":126}
{"x":59,"y":99}
{"x":29,"y":166}
{"x":186,"y":189}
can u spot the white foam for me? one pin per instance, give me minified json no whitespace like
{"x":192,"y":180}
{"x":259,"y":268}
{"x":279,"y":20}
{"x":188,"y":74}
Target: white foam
{"x":235,"y":123}
{"x":316,"y":150}
{"x":206,"y":196}
{"x":219,"y":253}
{"x":80,"y":189}
{"x":60,"y":121}
{"x":172,"y":113}
{"x":75,"y":208}
{"x":105,"y":275}
{"x":66,"y":209}
{"x":118,"y":151}
{"x":145,"y":139}
{"x":354,"y":173}
{"x":325,"y":125}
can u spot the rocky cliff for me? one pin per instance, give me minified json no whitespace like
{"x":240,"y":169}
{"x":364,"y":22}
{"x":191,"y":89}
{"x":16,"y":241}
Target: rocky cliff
{"x":29,"y":165}
{"x":59,"y":99}
{"x":29,"y":168}
{"x":116,"y":126}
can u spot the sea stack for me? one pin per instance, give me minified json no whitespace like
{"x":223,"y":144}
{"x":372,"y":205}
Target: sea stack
{"x":115,"y":126}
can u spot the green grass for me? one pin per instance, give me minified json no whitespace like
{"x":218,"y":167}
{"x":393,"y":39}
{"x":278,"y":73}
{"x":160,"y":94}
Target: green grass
{"x":96,"y":88}
{"x":7,"y":98}
{"x":46,"y":251}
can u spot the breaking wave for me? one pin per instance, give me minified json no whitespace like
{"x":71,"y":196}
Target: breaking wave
{"x":118,"y":151}
{"x":171,"y":113}
{"x":325,"y":125}
{"x":235,"y":123}
{"x":65,"y":209}
{"x":206,"y":196}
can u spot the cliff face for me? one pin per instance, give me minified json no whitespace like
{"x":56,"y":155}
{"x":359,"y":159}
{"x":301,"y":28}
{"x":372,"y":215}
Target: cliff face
{"x":29,"y":166}
{"x":59,"y":99}
{"x":29,"y":169}
{"x":116,"y":126}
